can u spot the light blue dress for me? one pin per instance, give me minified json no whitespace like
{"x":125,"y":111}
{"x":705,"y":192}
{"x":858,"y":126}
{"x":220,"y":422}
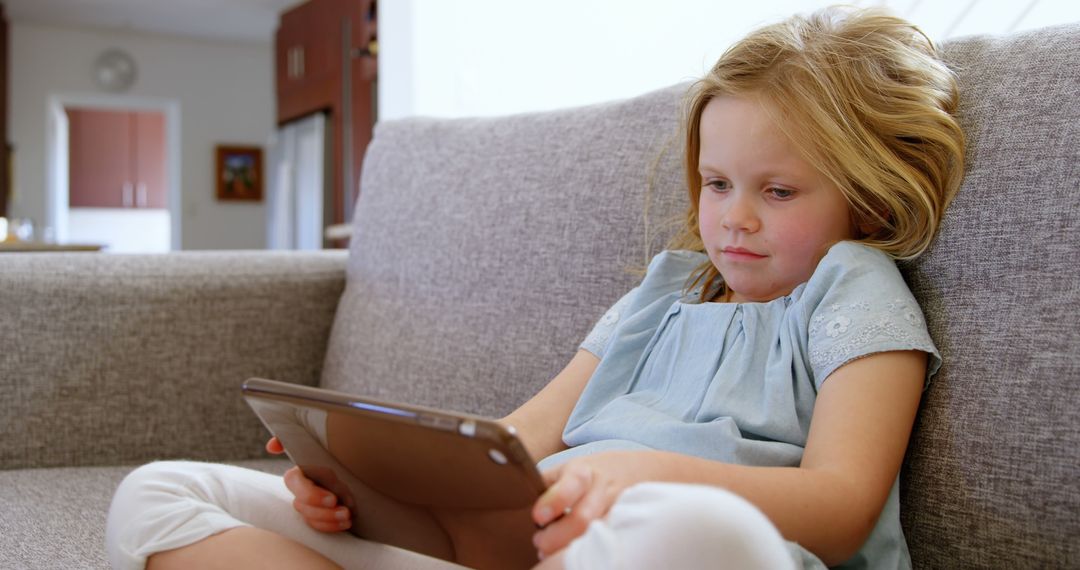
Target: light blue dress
{"x":737,"y":382}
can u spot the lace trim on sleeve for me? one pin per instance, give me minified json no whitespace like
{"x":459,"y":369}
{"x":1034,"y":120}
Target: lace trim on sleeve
{"x":847,"y":331}
{"x":597,"y":340}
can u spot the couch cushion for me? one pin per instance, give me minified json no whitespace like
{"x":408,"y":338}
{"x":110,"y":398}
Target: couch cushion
{"x":115,"y":359}
{"x":992,"y":477}
{"x":484,"y":249}
{"x":55,"y":518}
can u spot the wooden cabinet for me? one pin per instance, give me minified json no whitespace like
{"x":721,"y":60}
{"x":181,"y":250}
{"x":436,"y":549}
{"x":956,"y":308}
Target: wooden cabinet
{"x":308,"y":56}
{"x":324,"y":63}
{"x":5,"y":148}
{"x":116,"y":159}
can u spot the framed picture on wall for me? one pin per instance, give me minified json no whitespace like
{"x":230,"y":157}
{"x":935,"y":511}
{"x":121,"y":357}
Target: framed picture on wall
{"x":239,"y":173}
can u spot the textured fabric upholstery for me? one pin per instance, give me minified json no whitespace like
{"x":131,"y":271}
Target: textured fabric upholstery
{"x":484,"y":249}
{"x":55,"y":518}
{"x":108,"y":359}
{"x":993,"y":474}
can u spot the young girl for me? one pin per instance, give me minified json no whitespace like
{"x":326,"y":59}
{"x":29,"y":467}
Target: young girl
{"x":748,"y":405}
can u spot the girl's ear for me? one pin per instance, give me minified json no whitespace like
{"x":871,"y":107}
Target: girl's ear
{"x":868,"y":227}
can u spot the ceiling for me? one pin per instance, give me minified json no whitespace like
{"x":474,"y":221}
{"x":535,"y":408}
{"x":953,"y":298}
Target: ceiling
{"x":248,"y":21}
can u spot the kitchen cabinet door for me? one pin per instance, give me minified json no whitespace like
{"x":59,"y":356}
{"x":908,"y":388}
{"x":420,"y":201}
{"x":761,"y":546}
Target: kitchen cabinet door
{"x":100,"y":160}
{"x":149,"y":173}
{"x":308,"y":59}
{"x":116,"y":159}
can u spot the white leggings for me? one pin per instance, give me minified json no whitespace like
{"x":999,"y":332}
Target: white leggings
{"x":166,"y":505}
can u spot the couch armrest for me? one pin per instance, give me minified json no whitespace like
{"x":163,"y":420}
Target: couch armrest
{"x":109,"y":359}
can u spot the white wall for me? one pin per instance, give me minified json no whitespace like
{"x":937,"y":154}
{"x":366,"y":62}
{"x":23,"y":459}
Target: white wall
{"x":121,"y":230}
{"x":225,"y":93}
{"x":491,"y":57}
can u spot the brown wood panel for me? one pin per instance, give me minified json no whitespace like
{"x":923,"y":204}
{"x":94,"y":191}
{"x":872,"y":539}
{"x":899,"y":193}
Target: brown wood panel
{"x":100,"y":161}
{"x":307,"y":99}
{"x":284,"y":39}
{"x":5,"y":148}
{"x":308,"y":59}
{"x":322,"y":42}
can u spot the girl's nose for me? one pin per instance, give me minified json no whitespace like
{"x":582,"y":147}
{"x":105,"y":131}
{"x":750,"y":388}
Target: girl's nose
{"x":741,"y":214}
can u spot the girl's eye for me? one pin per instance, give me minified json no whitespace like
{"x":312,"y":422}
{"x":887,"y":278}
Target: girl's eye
{"x":781,"y":193}
{"x":718,"y":185}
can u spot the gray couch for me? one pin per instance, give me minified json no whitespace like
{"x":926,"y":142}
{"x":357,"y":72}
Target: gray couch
{"x":485,"y":249}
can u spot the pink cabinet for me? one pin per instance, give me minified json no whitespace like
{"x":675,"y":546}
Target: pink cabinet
{"x":117,"y":159}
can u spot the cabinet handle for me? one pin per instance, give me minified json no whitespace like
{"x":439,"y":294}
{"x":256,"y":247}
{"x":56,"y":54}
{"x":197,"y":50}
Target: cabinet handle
{"x":127,"y":197}
{"x":140,"y":195}
{"x":295,"y":62}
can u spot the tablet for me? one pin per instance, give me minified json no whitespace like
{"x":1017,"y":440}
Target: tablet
{"x":405,"y":472}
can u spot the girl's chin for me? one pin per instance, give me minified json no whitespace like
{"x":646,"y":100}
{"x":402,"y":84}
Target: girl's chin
{"x":752,"y":294}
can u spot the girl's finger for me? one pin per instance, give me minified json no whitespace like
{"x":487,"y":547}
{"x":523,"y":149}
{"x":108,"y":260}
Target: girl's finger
{"x":558,"y":534}
{"x":323,"y":526}
{"x":274,"y":446}
{"x":562,"y":532}
{"x":315,"y":514}
{"x":552,"y":475}
{"x":306,"y":491}
{"x":574,"y":482}
{"x":596,"y":503}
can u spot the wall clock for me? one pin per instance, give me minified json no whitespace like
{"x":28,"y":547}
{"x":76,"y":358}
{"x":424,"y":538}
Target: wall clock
{"x":114,"y":70}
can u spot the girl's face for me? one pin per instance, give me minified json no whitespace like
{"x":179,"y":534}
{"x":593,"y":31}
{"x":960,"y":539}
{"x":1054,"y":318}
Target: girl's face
{"x":766,"y":215}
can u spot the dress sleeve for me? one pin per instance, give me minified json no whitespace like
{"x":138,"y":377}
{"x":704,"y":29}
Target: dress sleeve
{"x":865,"y":308}
{"x":597,"y":340}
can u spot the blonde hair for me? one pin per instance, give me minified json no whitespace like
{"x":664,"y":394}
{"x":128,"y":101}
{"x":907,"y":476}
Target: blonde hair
{"x":862,"y":95}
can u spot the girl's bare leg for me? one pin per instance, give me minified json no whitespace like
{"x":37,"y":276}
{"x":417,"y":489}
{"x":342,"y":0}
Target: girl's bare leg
{"x":491,"y":539}
{"x":241,"y":547}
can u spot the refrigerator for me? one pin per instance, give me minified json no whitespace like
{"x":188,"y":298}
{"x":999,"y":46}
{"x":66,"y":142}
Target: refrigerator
{"x":299,"y":183}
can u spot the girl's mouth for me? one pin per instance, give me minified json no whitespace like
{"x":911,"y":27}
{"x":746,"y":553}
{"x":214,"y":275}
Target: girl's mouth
{"x":741,"y":254}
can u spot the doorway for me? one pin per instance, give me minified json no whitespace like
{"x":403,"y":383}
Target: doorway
{"x":113,"y":174}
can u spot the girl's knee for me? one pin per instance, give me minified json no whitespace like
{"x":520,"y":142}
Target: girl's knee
{"x":139,"y":493}
{"x":158,"y":470}
{"x":696,"y":512}
{"x":145,"y":477}
{"x":677,"y":525}
{"x":159,"y":479}
{"x":163,"y":505}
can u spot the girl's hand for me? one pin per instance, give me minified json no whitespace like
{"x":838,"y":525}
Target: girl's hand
{"x":582,"y":490}
{"x":274,"y":446}
{"x":316,"y":505}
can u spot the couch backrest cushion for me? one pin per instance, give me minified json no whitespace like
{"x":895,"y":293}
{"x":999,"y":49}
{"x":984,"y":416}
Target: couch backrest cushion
{"x":993,"y":474}
{"x":121,"y":359}
{"x":485,"y":249}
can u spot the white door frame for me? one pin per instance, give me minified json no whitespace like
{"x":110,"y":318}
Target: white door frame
{"x":56,"y":154}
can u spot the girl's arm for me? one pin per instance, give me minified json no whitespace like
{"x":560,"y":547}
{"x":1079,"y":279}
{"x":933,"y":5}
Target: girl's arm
{"x":540,"y":421}
{"x":829,"y":504}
